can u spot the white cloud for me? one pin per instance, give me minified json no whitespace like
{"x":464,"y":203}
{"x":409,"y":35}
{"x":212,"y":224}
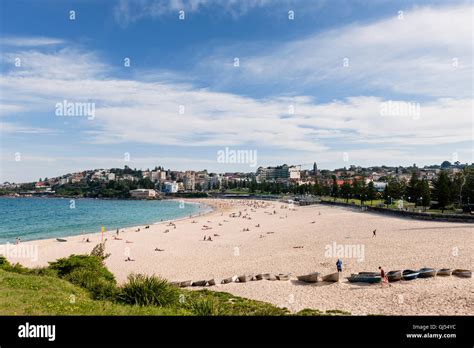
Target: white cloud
{"x":14,"y":128}
{"x":130,"y":11}
{"x":22,"y":41}
{"x":427,"y":53}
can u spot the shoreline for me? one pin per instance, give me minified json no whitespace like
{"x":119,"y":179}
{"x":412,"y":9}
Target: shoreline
{"x":293,"y":240}
{"x":207,"y":207}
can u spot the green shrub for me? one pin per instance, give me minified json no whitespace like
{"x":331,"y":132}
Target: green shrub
{"x":88,"y":272}
{"x":7,"y":266}
{"x":43,"y":271}
{"x":309,"y":312}
{"x":100,"y":288}
{"x":3,"y":261}
{"x":205,"y":307}
{"x":145,"y":290}
{"x":99,"y":251}
{"x":91,"y":263}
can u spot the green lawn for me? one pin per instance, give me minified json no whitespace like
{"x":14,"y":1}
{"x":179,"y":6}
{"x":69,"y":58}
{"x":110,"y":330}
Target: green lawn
{"x":410,"y":206}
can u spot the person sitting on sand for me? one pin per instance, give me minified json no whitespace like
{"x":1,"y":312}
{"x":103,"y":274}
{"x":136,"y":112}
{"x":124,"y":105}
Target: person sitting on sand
{"x":339,"y":265}
{"x":129,"y":259}
{"x":374,"y":233}
{"x":88,"y":240}
{"x":204,"y":238}
{"x":209,"y":239}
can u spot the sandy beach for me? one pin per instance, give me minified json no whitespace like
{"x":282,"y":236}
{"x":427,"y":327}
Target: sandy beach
{"x":251,"y":237}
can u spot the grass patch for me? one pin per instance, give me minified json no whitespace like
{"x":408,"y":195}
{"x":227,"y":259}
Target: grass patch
{"x":89,"y":272}
{"x":145,"y":290}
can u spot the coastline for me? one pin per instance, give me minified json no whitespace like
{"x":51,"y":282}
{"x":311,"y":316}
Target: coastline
{"x":292,"y":241}
{"x":205,"y":209}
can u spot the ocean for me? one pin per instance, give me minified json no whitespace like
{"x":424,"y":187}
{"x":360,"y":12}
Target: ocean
{"x":42,"y":218}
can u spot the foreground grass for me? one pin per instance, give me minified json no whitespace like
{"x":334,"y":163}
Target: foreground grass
{"x":82,"y":285}
{"x":25,"y":294}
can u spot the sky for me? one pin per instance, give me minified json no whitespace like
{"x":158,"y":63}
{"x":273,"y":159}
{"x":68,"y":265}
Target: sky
{"x":173,"y":82}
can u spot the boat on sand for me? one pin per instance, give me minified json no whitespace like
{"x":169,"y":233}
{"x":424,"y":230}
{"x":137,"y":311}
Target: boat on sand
{"x":199,"y":283}
{"x":185,"y":283}
{"x":426,"y":272}
{"x":310,"y":278}
{"x":333,"y":277}
{"x":365,"y":278}
{"x":394,"y":276}
{"x":409,"y":274}
{"x":244,"y":278}
{"x":463,"y":273}
{"x":283,"y":276}
{"x":444,"y":272}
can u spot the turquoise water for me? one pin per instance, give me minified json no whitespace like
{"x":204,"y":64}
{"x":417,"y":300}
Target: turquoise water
{"x":41,"y":218}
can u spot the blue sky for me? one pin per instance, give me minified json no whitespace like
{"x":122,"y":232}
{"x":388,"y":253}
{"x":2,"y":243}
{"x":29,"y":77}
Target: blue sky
{"x":335,"y":66}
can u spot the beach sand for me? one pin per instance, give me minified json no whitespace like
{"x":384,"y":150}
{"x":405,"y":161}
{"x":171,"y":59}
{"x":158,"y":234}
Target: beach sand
{"x":295,"y":241}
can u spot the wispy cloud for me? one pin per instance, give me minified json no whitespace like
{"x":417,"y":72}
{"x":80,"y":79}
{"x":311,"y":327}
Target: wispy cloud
{"x":148,"y":112}
{"x":21,"y":41}
{"x":14,"y":128}
{"x":426,"y":52}
{"x":127,"y":12}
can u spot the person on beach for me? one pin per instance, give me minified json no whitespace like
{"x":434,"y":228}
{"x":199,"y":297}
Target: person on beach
{"x":374,"y":233}
{"x":383,"y":276}
{"x":117,"y":233}
{"x":339,"y":265}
